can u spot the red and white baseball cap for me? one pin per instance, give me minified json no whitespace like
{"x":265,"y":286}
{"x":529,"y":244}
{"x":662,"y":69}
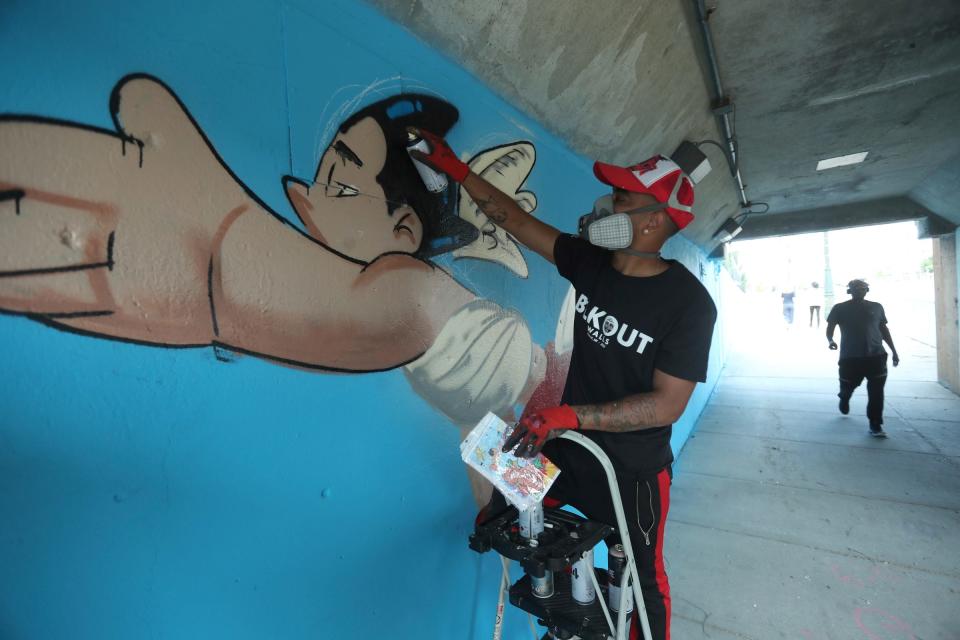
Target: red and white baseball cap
{"x":659,"y":177}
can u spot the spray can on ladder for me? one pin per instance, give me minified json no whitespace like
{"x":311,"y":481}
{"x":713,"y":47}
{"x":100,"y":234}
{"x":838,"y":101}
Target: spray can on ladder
{"x":434,"y":181}
{"x":531,"y":523}
{"x":616,"y":569}
{"x":581,"y":583}
{"x":542,"y":586}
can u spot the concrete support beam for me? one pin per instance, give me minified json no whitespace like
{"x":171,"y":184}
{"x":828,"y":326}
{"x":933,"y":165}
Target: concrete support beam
{"x":933,"y":226}
{"x":946,"y":294}
{"x":719,"y":252}
{"x":845,"y":216}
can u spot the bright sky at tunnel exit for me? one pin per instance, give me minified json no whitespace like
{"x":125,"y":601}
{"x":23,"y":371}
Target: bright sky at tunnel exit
{"x":890,"y":251}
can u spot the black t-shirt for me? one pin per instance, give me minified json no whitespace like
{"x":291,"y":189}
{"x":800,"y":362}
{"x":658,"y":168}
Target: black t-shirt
{"x":860,"y":322}
{"x":624,"y":328}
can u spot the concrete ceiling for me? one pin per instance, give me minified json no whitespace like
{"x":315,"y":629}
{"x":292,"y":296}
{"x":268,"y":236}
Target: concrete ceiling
{"x":818,"y":79}
{"x":620,"y":80}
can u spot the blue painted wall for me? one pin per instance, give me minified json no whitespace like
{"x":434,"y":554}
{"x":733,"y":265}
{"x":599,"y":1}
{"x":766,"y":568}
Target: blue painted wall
{"x":149,"y":492}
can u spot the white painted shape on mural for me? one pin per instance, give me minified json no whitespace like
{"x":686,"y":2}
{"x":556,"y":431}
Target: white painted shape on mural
{"x":506,"y":168}
{"x":481,"y":361}
{"x":563,"y":341}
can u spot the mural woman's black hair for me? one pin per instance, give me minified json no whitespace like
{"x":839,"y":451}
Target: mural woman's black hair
{"x":443,"y":229}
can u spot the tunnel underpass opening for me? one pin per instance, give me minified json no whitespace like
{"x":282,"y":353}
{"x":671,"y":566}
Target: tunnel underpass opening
{"x":783,"y":288}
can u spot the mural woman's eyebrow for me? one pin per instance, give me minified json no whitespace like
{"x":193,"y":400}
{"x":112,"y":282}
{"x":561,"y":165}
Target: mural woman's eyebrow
{"x":347,"y":153}
{"x":326,"y":186}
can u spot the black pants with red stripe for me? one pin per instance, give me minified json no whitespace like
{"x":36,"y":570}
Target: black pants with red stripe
{"x":646,"y":501}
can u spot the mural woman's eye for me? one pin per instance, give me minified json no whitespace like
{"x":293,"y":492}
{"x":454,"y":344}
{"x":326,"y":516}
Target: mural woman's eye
{"x":345,"y":190}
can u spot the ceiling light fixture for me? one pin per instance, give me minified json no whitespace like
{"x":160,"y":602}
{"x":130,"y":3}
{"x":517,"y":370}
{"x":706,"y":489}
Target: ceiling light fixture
{"x":842,"y":161}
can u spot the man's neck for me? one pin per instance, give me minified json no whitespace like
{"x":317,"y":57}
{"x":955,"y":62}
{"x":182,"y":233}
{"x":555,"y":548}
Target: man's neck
{"x":639,"y":267}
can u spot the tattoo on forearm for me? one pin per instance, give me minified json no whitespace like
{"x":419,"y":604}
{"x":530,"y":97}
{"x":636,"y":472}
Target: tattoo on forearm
{"x":629,"y":414}
{"x":492,"y":210}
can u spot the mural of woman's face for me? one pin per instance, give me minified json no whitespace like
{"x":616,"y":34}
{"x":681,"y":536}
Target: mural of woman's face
{"x":346,"y":209}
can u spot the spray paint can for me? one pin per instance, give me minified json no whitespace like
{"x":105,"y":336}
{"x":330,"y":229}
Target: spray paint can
{"x":531,"y":523}
{"x":616,"y":569}
{"x":582,"y":585}
{"x":434,"y":181}
{"x":542,"y":587}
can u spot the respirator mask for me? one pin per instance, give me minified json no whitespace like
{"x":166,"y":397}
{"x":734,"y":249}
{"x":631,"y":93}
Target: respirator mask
{"x":608,"y":230}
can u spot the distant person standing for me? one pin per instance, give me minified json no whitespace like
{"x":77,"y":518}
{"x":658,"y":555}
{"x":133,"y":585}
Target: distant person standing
{"x":863,"y":329}
{"x":815,"y":301}
{"x":788,"y":306}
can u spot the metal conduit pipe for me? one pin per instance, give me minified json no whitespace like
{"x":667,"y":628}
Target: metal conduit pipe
{"x":721,"y":103}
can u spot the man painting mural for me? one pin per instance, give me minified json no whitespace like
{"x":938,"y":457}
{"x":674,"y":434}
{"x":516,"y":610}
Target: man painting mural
{"x":642,"y":337}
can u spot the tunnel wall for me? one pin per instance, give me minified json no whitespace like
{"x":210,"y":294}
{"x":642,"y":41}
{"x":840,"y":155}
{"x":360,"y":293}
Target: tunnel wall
{"x":946,"y":279}
{"x":228,"y":408}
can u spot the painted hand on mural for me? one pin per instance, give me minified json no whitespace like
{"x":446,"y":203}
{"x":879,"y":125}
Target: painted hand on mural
{"x":144,"y":234}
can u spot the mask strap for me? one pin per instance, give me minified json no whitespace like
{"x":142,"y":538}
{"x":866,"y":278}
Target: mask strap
{"x":644,"y":254}
{"x":649,"y":207}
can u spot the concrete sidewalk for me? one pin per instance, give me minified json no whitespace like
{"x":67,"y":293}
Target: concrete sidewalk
{"x":788,"y":520}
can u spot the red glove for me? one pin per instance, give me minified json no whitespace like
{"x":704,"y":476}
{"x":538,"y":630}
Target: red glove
{"x":532,"y":432}
{"x":441,"y":157}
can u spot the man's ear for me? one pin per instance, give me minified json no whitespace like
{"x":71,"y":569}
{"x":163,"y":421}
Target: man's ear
{"x":665,"y":222}
{"x":298,"y":193}
{"x":656,"y":220}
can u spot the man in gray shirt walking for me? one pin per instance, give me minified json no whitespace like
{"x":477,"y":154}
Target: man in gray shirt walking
{"x":863,"y":330}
